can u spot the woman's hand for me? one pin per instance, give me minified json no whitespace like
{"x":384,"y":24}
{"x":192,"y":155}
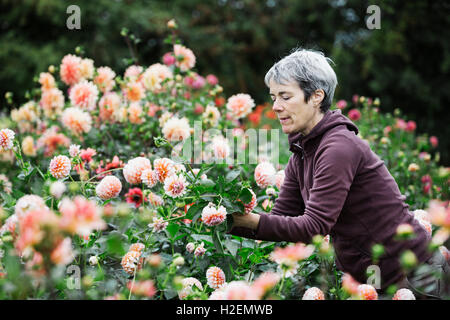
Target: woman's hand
{"x":250,"y":220}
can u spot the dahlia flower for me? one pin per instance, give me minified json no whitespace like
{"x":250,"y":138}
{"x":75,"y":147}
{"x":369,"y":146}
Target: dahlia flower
{"x":137,"y":247}
{"x":87,"y":68}
{"x":215,"y":277}
{"x":28,"y":146}
{"x":134,"y":91}
{"x":190,"y":247}
{"x":265,"y":282}
{"x":367,"y":292}
{"x":131,"y":262}
{"x":5,"y":184}
{"x":200,"y":250}
{"x":240,"y":290}
{"x":135,"y":113}
{"x":155,"y":199}
{"x":29,"y":202}
{"x":57,"y":189}
{"x":240,"y":105}
{"x":221,"y":148}
{"x":439,"y":214}
{"x":248,"y":207}
{"x":108,"y":188}
{"x":60,"y":167}
{"x":6,"y":139}
{"x":279,"y":179}
{"x":176,"y":129}
{"x":84,"y":95}
{"x":291,"y":254}
{"x":404,"y":294}
{"x":52,"y":102}
{"x":105,"y":79}
{"x":76,"y":120}
{"x":132,"y":171}
{"x":135,"y":196}
{"x":158,"y":224}
{"x":93,"y":260}
{"x":149,"y":177}
{"x":74,"y":150}
{"x":187,"y":284}
{"x":80,"y":216}
{"x":354,"y":114}
{"x":70,"y":69}
{"x":47,"y":81}
{"x":175,"y":186}
{"x":211,"y":115}
{"x":109,"y":104}
{"x":133,"y":72}
{"x":212,"y":216}
{"x":185,"y":57}
{"x":349,"y":284}
{"x":145,"y":288}
{"x":153,"y":77}
{"x":63,"y":253}
{"x":313,"y":293}
{"x":265,"y":174}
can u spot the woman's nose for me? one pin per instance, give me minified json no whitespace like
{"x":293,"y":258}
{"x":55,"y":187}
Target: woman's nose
{"x":276,"y":106}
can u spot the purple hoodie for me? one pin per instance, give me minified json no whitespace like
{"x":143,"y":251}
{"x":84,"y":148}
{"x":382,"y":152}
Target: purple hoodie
{"x":335,"y":184}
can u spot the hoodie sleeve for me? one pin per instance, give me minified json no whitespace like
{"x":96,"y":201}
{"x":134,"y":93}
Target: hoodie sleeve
{"x":335,"y":166}
{"x":289,"y":201}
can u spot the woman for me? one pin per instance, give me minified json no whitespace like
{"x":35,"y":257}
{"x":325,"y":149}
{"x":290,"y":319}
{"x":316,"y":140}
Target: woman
{"x":334,"y":184}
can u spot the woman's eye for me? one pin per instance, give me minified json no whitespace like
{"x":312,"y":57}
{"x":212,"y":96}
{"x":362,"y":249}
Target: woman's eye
{"x":286,"y":98}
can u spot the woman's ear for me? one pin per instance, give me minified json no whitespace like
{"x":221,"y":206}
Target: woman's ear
{"x":317,"y":97}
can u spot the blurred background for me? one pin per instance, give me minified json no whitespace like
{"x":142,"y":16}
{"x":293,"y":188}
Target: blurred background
{"x":405,"y":63}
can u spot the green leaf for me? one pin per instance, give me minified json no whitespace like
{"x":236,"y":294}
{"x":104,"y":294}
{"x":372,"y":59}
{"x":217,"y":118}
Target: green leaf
{"x":200,"y":237}
{"x":172,"y":229}
{"x":232,"y":175}
{"x":216,"y":240}
{"x":232,"y":246}
{"x":207,"y":183}
{"x":245,"y":195}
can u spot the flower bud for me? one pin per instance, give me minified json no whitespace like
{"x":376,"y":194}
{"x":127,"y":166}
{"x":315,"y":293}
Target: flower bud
{"x":93,"y":260}
{"x":408,"y":260}
{"x":178,"y":261}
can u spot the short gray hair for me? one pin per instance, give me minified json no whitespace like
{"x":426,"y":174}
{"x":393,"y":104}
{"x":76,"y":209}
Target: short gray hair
{"x":310,"y":69}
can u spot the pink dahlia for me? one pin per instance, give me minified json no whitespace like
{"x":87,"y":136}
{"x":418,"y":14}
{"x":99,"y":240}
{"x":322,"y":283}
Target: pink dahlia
{"x":47,"y":81}
{"x":84,"y":95}
{"x":187,"y":287}
{"x":131,"y":262}
{"x":155,"y":199}
{"x":149,"y":177}
{"x":137,"y":247}
{"x":176,"y":129}
{"x":133,"y":72}
{"x":200,"y":250}
{"x":164,"y":167}
{"x":185,"y":58}
{"x":240,"y":105}
{"x":175,"y":186}
{"x":63,"y":254}
{"x":52,"y":102}
{"x":404,"y":294}
{"x":80,"y":216}
{"x":158,"y":224}
{"x":145,"y":288}
{"x":313,"y":293}
{"x":60,"y":167}
{"x":76,"y":120}
{"x":367,"y":292}
{"x":132,"y":171}
{"x":215,"y":277}
{"x":6,"y":139}
{"x":290,"y":255}
{"x":212,"y":216}
{"x":70,"y":69}
{"x":109,"y":104}
{"x":105,"y":79}
{"x":108,"y":188}
{"x":354,"y":114}
{"x":265,"y":174}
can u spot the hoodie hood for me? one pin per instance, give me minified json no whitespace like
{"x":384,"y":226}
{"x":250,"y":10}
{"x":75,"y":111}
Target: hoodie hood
{"x":331,"y":119}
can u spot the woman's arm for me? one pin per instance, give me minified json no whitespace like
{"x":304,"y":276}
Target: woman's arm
{"x":289,"y":202}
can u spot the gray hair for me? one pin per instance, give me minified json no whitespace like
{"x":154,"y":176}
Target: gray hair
{"x":310,"y":69}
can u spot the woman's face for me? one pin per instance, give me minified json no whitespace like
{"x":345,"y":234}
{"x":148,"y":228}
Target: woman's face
{"x":294,"y":113}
